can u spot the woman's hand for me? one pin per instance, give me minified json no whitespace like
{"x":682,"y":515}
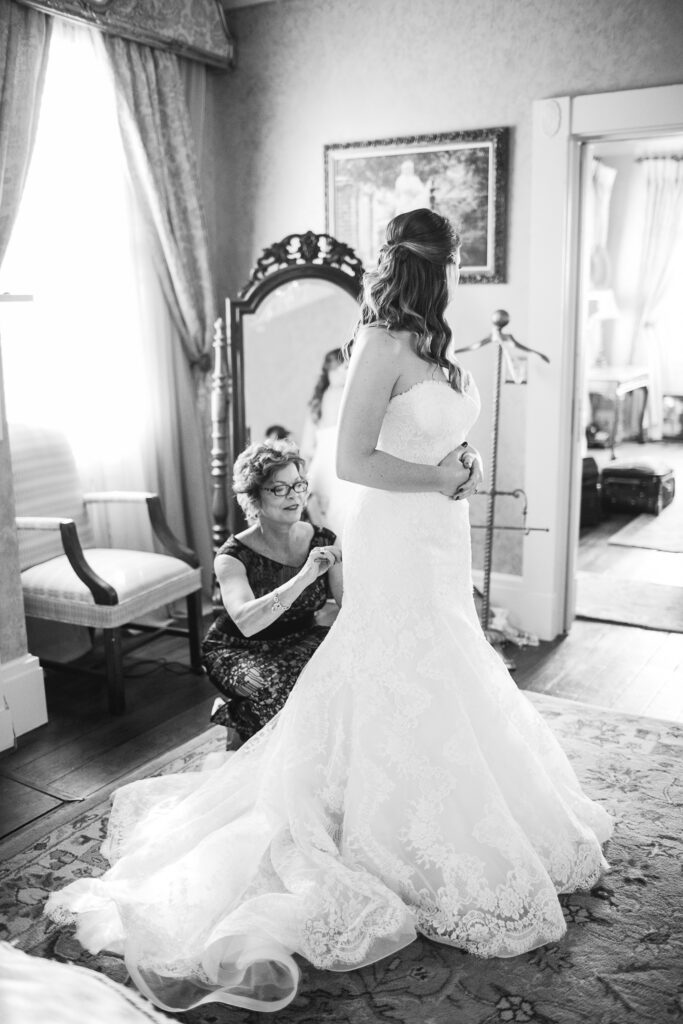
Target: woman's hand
{"x":319,"y":561}
{"x":471,"y":459}
{"x":456,"y":475}
{"x":466,"y":472}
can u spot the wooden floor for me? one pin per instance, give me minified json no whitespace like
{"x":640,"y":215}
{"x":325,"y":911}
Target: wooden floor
{"x":83,"y":753}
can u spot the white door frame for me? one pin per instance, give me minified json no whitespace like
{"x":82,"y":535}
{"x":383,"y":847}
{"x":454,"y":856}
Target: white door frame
{"x":552,"y":455}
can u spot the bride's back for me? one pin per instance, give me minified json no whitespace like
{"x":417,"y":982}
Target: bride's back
{"x":411,"y":367}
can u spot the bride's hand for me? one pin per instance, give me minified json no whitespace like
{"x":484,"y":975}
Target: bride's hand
{"x":472,"y":460}
{"x":469,"y":460}
{"x":456,"y":475}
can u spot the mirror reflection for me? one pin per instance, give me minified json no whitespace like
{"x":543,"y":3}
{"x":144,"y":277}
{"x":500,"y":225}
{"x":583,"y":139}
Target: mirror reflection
{"x":294,"y":378}
{"x":319,"y":443}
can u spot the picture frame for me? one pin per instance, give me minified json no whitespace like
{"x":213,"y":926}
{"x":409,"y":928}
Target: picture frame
{"x":462,"y":175}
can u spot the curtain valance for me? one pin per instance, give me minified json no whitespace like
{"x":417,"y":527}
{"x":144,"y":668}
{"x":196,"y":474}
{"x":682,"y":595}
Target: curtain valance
{"x":197,"y":30}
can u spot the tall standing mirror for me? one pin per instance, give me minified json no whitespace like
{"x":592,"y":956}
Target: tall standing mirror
{"x":301,"y":302}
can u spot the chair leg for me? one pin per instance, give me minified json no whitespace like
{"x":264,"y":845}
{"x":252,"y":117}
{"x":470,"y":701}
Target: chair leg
{"x":194,"y":625}
{"x":114,"y":658}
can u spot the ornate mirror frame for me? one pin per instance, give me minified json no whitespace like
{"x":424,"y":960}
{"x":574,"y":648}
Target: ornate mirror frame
{"x":296,"y":257}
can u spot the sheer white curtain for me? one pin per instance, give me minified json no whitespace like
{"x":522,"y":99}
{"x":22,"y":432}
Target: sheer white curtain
{"x":600,"y":296}
{"x":669,"y":322}
{"x":80,"y":356}
{"x":663,"y":184}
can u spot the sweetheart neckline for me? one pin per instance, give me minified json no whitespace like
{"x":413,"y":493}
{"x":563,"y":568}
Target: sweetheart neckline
{"x":419,"y":383}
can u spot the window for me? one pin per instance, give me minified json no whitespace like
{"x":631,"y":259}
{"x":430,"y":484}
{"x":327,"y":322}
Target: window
{"x":75,"y":357}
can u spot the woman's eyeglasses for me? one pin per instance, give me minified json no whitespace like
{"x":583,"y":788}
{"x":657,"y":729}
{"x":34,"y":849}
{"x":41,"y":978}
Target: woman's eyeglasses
{"x":284,"y":490}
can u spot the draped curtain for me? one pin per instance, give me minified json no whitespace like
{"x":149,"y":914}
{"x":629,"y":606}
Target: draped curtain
{"x":24,"y":47}
{"x":601,"y":302}
{"x":161,"y":148}
{"x":663,"y":183}
{"x":134,"y":296}
{"x":602,"y":182}
{"x":159,"y":142}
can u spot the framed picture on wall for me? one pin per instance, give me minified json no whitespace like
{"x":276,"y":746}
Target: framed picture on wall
{"x":462,"y":175}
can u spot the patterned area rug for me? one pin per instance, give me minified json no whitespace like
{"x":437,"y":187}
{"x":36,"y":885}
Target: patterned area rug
{"x":619,"y":963}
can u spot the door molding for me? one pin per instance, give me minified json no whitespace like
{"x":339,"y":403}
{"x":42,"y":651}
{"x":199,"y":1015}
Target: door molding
{"x":560,"y":127}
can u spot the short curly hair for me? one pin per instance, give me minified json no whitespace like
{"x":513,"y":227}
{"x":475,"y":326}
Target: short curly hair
{"x":254,"y":467}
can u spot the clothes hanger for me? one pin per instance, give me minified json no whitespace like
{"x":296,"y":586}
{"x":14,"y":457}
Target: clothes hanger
{"x":501,"y":319}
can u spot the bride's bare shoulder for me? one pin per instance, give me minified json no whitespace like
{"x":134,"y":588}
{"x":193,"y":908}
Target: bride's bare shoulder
{"x":380,"y":335}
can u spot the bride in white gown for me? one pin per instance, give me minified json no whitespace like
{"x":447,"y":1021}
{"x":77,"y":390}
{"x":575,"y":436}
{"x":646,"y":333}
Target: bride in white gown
{"x":407,"y":786}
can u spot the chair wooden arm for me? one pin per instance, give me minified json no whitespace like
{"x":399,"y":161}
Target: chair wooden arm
{"x":157,"y":518}
{"x":102,"y":592}
{"x":166,"y":535}
{"x":40,"y":522}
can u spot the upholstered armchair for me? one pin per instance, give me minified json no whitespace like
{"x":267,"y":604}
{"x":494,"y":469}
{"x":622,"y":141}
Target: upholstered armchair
{"x":67,"y":578}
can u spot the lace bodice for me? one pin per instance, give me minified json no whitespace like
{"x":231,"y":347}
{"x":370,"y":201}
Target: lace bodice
{"x":428,"y":420}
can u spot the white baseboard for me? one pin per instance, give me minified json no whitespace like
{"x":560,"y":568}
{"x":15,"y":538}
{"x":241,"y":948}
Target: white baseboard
{"x":7,"y":735}
{"x":23,"y":687}
{"x":530,"y":610}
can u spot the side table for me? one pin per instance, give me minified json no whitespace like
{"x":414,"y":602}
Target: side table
{"x":615,"y":382}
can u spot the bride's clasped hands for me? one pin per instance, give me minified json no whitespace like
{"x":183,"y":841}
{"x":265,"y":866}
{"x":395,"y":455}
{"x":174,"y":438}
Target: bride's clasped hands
{"x":464,"y":472}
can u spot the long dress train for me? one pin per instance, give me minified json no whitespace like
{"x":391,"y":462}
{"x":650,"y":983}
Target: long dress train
{"x":407,"y":785}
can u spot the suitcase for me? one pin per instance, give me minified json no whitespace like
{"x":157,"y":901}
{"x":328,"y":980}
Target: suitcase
{"x":591,"y":492}
{"x":638,"y":485}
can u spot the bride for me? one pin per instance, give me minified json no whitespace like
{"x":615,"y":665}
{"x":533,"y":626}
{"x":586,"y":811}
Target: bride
{"x":407,"y":786}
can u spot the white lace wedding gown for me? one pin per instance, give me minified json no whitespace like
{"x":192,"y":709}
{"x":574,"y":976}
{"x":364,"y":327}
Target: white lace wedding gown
{"x":407,"y":786}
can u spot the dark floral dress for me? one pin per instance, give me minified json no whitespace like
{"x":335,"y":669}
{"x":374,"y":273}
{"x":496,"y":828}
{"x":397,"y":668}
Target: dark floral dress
{"x":255,"y":674}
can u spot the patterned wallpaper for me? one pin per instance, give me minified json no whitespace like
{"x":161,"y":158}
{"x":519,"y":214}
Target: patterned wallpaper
{"x":191,"y":28}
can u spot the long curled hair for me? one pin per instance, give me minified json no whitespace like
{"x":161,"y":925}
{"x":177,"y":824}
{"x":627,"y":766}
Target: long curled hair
{"x":333,"y":358}
{"x":408,"y":290}
{"x":253,"y":469}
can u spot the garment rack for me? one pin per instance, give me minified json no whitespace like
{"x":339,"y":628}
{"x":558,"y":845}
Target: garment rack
{"x":500,"y":320}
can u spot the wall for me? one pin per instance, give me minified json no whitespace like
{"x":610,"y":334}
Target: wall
{"x":22,"y":690}
{"x":12,"y":627}
{"x":311,"y":72}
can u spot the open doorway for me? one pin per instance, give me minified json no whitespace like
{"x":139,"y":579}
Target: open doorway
{"x":629,"y":558}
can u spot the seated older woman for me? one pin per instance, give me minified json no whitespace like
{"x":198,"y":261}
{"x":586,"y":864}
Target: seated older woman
{"x":273,"y":577}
